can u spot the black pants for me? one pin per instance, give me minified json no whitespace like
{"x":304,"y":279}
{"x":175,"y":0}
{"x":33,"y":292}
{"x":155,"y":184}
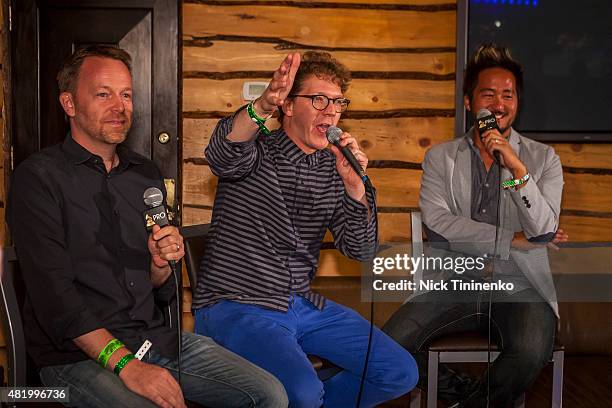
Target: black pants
{"x":522,"y":324}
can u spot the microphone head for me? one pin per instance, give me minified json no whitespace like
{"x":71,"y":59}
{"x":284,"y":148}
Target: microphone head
{"x":153,"y":197}
{"x":482,"y":113}
{"x":485,"y":120}
{"x":333,"y":134}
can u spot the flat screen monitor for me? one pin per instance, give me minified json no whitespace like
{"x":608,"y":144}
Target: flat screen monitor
{"x":565,"y":47}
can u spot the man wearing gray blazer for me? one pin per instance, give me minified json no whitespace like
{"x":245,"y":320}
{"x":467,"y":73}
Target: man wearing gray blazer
{"x":462,"y":203}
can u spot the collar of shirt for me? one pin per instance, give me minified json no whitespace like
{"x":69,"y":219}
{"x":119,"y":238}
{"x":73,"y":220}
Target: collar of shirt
{"x":293,"y":153}
{"x":77,"y":154}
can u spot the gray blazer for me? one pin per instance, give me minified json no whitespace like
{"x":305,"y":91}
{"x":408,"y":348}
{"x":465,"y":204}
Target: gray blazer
{"x":445,"y":201}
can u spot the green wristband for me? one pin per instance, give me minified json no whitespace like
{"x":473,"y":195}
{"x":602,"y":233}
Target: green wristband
{"x":108,"y":351}
{"x":123,"y":362}
{"x":261,"y":122}
{"x":514,"y":183}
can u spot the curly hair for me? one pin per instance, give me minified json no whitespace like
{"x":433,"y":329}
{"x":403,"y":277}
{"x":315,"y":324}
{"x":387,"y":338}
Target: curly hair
{"x":323,"y":66}
{"x":491,"y":56}
{"x":69,"y":72}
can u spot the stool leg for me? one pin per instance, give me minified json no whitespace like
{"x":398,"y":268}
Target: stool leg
{"x":415,"y":398}
{"x":557,"y":393}
{"x":432,"y":379}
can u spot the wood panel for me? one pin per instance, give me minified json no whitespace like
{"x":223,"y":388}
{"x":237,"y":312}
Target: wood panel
{"x":230,"y":56}
{"x":333,"y":263}
{"x":199,"y":185}
{"x":396,"y":187}
{"x":209,"y":95}
{"x":587,"y":192}
{"x":585,"y":229}
{"x":193,"y":216}
{"x":188,"y":319}
{"x":401,"y":139}
{"x":377,"y":29}
{"x":585,"y":155}
{"x":338,"y":3}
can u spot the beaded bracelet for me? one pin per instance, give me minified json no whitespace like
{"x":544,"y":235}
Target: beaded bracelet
{"x":108,"y":351}
{"x":514,"y":183}
{"x":261,"y":122}
{"x":123,"y":362}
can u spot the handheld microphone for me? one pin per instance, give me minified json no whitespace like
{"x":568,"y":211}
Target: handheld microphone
{"x":333,"y":136}
{"x":485,"y":120}
{"x":156,"y":213}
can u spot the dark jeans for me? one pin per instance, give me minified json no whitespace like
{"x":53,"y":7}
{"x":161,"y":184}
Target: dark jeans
{"x":522,"y":324}
{"x":210,"y":375}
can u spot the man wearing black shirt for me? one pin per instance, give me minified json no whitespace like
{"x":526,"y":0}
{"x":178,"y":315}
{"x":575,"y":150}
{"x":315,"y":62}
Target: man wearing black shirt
{"x":94,"y":276}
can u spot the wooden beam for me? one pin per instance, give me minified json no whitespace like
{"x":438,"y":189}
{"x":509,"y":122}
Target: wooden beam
{"x":207,"y":95}
{"x":354,"y":28}
{"x":230,"y":56}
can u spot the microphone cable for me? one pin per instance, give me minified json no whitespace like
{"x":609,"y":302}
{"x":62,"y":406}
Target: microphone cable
{"x":369,"y":188}
{"x":178,"y":318}
{"x":497,"y":227}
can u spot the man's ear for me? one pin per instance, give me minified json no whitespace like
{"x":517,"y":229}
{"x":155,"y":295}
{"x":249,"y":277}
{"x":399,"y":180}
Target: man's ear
{"x":288,"y":107}
{"x":466,"y":102}
{"x":67,"y":102}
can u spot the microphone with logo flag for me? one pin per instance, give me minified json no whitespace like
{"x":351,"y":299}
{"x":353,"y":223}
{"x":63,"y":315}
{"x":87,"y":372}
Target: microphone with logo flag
{"x":485,"y":120}
{"x":156,"y":213}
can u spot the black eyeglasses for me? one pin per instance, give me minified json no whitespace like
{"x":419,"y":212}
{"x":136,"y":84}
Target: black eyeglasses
{"x":320,"y":102}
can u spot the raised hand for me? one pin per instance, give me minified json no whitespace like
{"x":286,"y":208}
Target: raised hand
{"x":275,"y":94}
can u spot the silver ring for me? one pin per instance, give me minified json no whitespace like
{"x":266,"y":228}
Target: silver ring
{"x":497,"y":141}
{"x":178,"y":247}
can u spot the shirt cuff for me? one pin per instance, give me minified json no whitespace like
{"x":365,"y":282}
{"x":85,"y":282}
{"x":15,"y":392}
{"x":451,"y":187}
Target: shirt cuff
{"x":224,"y":129}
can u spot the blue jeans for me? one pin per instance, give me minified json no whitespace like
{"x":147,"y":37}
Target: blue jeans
{"x":210,"y":375}
{"x":279,"y":343}
{"x":522,"y":324}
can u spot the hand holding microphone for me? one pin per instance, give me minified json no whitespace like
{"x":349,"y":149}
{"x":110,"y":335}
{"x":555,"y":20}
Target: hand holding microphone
{"x":496,"y":144}
{"x":351,"y":162}
{"x":165,"y":242}
{"x":489,"y":132}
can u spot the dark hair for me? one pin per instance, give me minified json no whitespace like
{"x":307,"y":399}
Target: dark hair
{"x":323,"y":66}
{"x":491,"y":56}
{"x":69,"y":72}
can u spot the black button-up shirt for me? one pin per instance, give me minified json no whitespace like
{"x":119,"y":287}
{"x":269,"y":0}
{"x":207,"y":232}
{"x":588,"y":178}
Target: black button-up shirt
{"x":82,"y":247}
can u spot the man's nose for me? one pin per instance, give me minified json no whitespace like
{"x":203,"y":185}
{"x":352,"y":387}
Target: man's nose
{"x":330,"y":109}
{"x":498,"y":103}
{"x":118,"y":104}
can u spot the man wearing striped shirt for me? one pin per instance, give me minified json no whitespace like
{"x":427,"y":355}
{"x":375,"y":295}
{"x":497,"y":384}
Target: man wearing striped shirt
{"x":277,"y":195}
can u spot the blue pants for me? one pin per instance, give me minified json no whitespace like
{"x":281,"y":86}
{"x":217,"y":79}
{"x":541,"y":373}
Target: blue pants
{"x":279,"y":343}
{"x":210,"y":375}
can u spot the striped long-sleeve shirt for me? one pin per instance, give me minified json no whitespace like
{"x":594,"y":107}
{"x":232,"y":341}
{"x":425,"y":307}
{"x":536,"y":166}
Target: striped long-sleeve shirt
{"x":273,"y":206}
